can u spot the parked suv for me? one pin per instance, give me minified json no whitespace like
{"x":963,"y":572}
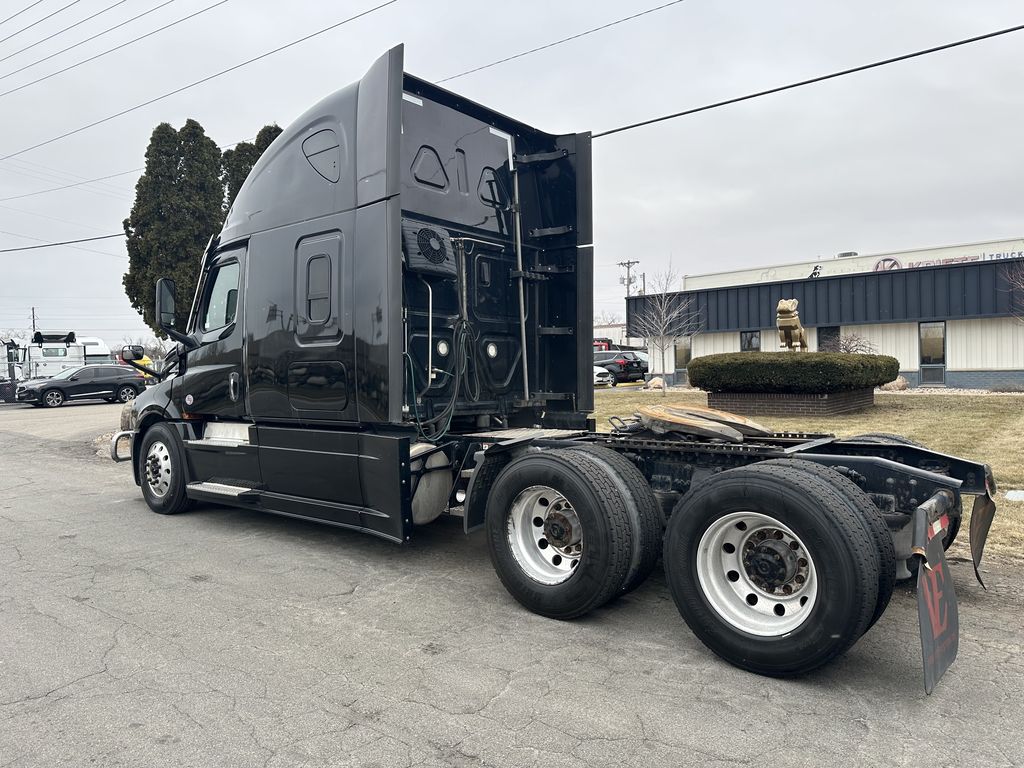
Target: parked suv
{"x":90,"y":382}
{"x":623,"y":366}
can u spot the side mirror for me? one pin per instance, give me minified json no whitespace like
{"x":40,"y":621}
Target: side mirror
{"x":132,"y":352}
{"x":165,"y":313}
{"x":165,"y":303}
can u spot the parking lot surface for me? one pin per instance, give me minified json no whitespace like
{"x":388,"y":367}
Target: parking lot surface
{"x":229,"y":638}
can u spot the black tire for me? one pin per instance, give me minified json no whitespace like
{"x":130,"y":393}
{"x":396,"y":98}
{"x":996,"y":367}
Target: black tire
{"x":614,"y":382}
{"x":862,"y":505}
{"x":887,"y":438}
{"x":52,"y":398}
{"x":835,"y":541}
{"x":173,"y":499}
{"x":126,"y":393}
{"x":644,"y":511}
{"x":603,"y":517}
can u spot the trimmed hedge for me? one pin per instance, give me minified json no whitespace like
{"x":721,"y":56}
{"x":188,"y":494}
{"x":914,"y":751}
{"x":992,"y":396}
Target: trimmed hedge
{"x":794,"y":372}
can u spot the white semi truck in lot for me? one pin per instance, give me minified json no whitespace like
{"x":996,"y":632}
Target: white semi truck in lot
{"x":52,"y":352}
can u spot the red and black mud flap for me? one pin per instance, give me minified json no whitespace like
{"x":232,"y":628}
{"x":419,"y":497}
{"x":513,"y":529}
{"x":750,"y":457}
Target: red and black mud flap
{"x":981,"y":520}
{"x":937,"y":613}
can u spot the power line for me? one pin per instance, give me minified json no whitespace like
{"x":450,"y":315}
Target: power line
{"x":39,"y":21}
{"x":69,"y":186}
{"x":60,"y":316}
{"x":559,"y":42}
{"x":64,"y":242}
{"x":90,"y":181}
{"x":61,"y":32}
{"x":51,"y":218}
{"x":61,"y":297}
{"x":102,"y":53}
{"x":27,"y":173}
{"x":13,"y":15}
{"x":199,"y":82}
{"x":89,"y":39}
{"x":59,"y":174}
{"x":811,"y":81}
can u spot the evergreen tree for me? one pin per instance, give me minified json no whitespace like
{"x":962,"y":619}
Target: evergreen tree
{"x":178,"y":207}
{"x":239,"y":161}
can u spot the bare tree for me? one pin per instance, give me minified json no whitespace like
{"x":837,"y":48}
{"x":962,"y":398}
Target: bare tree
{"x":1015,"y":277}
{"x":853,"y":343}
{"x":605,"y":317}
{"x":663,"y":317}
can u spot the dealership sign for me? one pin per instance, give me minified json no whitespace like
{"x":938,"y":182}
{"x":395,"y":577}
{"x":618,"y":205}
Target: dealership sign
{"x":997,"y":250}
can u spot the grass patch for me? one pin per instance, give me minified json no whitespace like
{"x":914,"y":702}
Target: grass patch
{"x":984,"y":429}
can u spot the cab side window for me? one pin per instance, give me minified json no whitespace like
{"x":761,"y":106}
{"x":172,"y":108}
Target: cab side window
{"x":221,"y":297}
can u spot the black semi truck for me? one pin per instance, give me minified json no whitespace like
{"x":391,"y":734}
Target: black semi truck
{"x":395,"y":324}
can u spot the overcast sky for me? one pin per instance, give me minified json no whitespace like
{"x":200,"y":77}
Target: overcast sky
{"x":920,"y":153}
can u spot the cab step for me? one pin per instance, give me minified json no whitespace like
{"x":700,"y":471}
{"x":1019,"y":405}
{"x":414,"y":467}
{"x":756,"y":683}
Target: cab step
{"x":221,"y":491}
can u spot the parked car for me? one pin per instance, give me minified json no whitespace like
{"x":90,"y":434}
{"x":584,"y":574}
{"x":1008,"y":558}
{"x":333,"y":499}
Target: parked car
{"x":602,"y":376}
{"x":624,"y":366}
{"x":90,"y":382}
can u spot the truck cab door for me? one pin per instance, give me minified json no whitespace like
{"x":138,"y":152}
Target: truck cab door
{"x":214,"y":384}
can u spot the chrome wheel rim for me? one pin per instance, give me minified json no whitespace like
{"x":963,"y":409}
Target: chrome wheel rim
{"x":757,"y":574}
{"x":126,"y":394}
{"x":545,"y":535}
{"x":159,"y":470}
{"x":54,"y":399}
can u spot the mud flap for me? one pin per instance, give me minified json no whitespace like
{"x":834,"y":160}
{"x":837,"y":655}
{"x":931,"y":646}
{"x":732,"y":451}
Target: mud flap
{"x":937,"y":613}
{"x":981,"y":520}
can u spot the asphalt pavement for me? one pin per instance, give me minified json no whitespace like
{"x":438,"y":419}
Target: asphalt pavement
{"x":229,"y":638}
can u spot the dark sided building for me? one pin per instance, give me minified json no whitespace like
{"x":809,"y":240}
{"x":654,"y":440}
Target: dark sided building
{"x":955,"y":325}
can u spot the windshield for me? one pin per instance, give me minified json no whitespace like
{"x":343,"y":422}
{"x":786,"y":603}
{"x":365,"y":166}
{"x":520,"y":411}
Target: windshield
{"x":66,"y":374}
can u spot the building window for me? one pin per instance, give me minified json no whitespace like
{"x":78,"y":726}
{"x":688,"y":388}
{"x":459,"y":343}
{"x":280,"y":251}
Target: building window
{"x":933,"y":343}
{"x":750,"y":341}
{"x":683,"y":352}
{"x":828,"y":338}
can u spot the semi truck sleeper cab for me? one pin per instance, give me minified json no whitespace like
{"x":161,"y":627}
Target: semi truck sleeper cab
{"x":395,"y":323}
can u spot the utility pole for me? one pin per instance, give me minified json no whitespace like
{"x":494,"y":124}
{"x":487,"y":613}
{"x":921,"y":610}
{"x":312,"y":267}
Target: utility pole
{"x":628,"y":265}
{"x":33,"y":321}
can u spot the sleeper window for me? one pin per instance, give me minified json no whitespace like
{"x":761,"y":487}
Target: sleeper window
{"x":318,"y":289}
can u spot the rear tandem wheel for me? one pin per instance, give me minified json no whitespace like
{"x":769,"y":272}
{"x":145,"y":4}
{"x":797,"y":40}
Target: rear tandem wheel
{"x":559,"y":532}
{"x":862,"y":505}
{"x":772,"y":568}
{"x":645,"y":515}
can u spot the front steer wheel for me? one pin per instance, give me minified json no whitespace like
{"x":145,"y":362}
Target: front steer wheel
{"x":772,"y":568}
{"x":559,"y":532}
{"x":162,"y":473}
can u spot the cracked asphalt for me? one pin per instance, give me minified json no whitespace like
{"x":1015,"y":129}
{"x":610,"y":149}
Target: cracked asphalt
{"x":227,"y":638}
